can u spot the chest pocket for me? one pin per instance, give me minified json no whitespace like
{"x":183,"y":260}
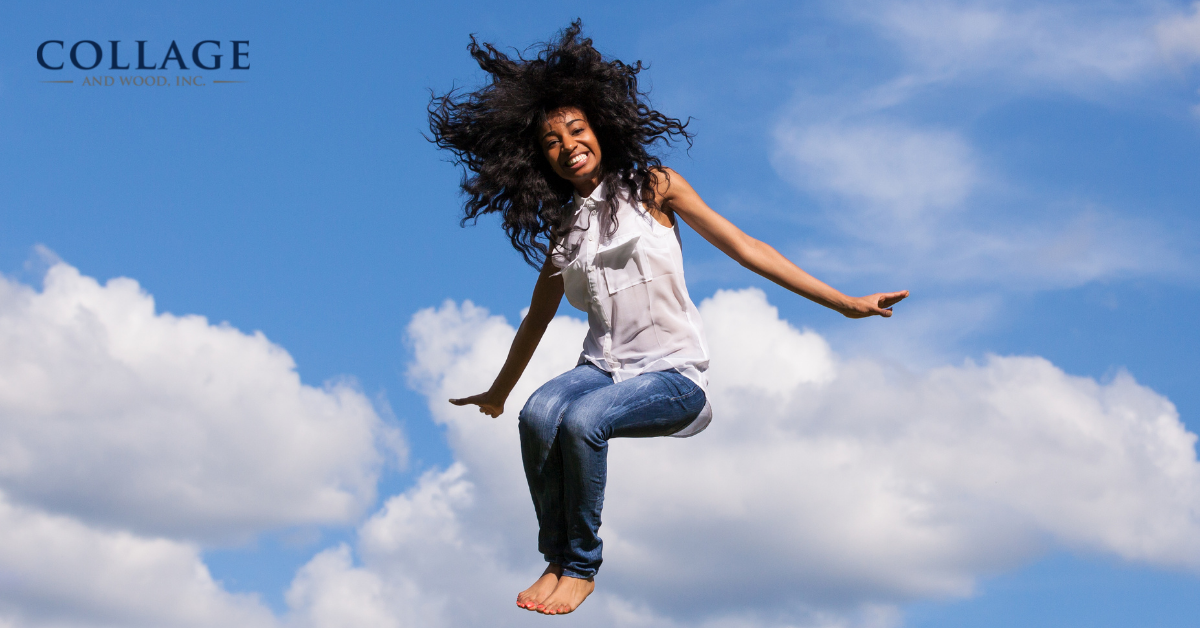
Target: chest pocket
{"x":624,"y":265}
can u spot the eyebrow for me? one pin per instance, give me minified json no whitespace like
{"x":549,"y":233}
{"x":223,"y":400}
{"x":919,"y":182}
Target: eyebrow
{"x":569,"y":122}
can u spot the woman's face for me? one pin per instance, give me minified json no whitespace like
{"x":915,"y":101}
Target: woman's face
{"x":572,"y":148}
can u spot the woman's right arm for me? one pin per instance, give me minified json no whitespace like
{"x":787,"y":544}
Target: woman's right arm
{"x":547,"y":294}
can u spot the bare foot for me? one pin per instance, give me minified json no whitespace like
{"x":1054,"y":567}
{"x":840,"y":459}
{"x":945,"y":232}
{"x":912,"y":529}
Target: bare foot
{"x":532,"y":597}
{"x":567,"y":596}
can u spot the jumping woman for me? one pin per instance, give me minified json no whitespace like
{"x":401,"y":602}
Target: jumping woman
{"x":558,"y":145}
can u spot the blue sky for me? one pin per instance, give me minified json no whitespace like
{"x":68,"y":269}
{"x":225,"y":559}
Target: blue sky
{"x":1027,"y":170}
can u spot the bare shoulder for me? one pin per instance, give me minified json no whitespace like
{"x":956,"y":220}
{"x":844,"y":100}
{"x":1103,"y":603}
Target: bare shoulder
{"x":668,"y":184}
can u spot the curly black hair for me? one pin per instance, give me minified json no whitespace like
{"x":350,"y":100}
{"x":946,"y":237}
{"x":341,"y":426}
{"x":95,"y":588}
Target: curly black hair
{"x":493,"y":134}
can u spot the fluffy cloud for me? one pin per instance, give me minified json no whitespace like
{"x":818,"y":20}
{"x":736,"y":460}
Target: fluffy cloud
{"x":168,"y":425}
{"x":123,"y":430}
{"x":825,"y":492}
{"x":56,"y":571}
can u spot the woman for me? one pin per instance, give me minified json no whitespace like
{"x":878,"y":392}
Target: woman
{"x":558,"y":146}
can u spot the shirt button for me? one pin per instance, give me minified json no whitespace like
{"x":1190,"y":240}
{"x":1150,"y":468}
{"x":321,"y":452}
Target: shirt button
{"x":591,"y":237}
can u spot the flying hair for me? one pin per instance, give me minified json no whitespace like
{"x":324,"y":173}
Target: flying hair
{"x":493,"y":135}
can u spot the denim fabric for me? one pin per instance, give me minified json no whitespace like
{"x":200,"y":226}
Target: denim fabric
{"x":565,"y":427}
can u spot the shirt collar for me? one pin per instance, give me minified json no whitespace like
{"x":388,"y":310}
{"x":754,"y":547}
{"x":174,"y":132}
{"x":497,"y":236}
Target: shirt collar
{"x":595,"y":197}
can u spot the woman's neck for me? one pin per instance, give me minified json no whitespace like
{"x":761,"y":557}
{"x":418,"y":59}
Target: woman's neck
{"x":585,"y":188}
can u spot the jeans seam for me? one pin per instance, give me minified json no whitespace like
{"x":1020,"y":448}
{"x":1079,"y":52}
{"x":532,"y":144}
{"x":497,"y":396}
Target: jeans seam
{"x":680,"y":397}
{"x":576,"y":574}
{"x":694,"y":390}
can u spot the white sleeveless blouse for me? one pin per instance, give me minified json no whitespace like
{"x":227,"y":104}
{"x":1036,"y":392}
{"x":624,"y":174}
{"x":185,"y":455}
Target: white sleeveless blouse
{"x":630,"y":283}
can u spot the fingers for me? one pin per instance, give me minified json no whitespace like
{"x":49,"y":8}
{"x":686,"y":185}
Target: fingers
{"x":462,"y":401}
{"x":485,"y":408}
{"x":879,"y":304}
{"x":884,"y":301}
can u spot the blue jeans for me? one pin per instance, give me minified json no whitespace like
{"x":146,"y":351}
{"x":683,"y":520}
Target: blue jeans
{"x":565,"y":427}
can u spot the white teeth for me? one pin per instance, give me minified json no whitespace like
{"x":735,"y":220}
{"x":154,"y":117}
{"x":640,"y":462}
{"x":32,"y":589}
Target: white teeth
{"x":576,"y":159}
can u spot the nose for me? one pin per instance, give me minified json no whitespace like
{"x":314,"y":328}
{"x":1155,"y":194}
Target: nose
{"x":569,"y":144}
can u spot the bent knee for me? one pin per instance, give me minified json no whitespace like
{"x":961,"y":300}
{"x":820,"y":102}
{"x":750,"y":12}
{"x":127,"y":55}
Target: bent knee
{"x":580,"y":423}
{"x":543,"y":408}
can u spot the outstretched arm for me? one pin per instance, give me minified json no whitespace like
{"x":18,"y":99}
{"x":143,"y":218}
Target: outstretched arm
{"x":547,"y":294}
{"x":676,"y":195}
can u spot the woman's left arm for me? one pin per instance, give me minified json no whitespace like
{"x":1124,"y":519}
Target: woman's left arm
{"x":675,"y":194}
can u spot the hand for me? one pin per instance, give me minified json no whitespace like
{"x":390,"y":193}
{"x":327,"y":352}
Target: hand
{"x":487,"y":403}
{"x":879,"y":304}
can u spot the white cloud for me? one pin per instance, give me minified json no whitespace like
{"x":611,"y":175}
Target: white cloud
{"x":894,"y":173}
{"x":917,"y":203}
{"x":1065,"y":45}
{"x":168,"y":425}
{"x":330,"y":592}
{"x":55,"y":572}
{"x":1179,"y":36}
{"x":912,"y":204}
{"x":422,"y":566}
{"x":1041,"y":255}
{"x":825,"y":492}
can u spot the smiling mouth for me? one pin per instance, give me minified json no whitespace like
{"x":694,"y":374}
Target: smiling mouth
{"x":576,"y":160}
